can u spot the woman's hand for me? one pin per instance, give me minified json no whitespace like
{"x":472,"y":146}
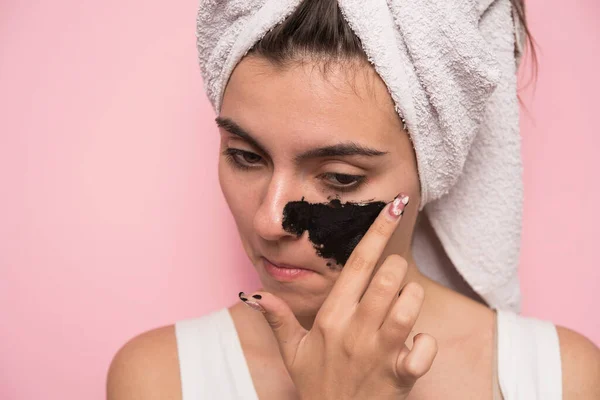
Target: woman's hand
{"x":356,"y":347}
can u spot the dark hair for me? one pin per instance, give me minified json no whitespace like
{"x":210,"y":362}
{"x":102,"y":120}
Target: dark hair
{"x":317,"y":29}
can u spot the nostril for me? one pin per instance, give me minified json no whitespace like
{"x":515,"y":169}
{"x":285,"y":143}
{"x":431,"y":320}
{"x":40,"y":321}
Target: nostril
{"x":269,"y":217}
{"x":268,"y":224}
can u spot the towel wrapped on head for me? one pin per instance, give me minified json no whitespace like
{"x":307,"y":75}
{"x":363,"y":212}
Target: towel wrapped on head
{"x":450,"y":67}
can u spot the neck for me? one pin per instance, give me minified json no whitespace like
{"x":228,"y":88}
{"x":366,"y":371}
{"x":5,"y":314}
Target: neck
{"x":431,"y":305}
{"x":445,"y":314}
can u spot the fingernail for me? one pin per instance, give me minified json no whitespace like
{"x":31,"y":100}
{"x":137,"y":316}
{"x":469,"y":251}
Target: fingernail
{"x":397,"y":207}
{"x":250,"y":303}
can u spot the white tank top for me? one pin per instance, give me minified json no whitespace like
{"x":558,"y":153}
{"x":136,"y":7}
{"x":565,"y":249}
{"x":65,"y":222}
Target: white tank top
{"x":212,"y":364}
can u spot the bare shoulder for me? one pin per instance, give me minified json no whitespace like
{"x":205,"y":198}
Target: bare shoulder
{"x":146,"y":367}
{"x":580,"y":360}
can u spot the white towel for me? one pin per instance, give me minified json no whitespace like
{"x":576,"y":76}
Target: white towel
{"x":450,"y":68}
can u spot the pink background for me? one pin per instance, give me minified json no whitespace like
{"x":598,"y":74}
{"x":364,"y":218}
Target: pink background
{"x":111,"y":217}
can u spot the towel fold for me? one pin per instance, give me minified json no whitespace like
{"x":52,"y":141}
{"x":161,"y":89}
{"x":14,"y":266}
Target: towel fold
{"x":450,"y":67}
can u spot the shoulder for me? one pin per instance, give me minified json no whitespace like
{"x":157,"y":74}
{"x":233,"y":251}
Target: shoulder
{"x":580,"y":360}
{"x":146,"y":367}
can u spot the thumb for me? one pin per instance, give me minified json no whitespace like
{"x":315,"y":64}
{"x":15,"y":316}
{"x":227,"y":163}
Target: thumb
{"x":281,"y":319}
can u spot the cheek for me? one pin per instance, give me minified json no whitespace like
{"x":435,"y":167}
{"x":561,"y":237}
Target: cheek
{"x":405,"y":171}
{"x":240,"y":197}
{"x":406,"y":180}
{"x":411,"y":179}
{"x":334,"y":228}
{"x":412,"y":186}
{"x":399,"y":178}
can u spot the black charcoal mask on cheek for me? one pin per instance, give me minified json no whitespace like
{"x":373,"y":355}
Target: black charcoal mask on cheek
{"x":334,"y":228}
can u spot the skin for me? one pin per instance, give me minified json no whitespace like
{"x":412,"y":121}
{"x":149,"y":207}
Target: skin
{"x":288,"y":110}
{"x":337,"y":115}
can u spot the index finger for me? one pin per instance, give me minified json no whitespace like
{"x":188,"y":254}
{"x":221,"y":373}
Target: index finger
{"x":356,"y":274}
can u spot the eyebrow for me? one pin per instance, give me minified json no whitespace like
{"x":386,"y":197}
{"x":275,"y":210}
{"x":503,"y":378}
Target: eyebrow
{"x":237,"y":130}
{"x":336,"y":150}
{"x":339,"y":150}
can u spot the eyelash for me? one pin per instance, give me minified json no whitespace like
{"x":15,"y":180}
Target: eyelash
{"x":232,"y":155}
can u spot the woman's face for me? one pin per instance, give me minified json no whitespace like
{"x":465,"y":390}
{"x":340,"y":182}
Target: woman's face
{"x":296,"y":133}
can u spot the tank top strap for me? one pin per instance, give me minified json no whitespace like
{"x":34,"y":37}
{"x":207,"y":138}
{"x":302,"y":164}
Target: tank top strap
{"x":211,"y":360}
{"x":529,"y":365}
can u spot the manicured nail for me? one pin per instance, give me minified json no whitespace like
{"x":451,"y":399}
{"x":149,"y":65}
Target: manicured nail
{"x":250,"y":303}
{"x":397,"y":207}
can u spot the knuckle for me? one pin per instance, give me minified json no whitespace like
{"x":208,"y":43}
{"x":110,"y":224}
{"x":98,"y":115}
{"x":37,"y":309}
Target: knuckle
{"x":415,"y":290}
{"x":276,"y":324}
{"x":358,"y":263}
{"x":348,"y":347}
{"x":416,"y":367}
{"x":397,"y":260}
{"x":324,"y":324}
{"x":403,"y":320}
{"x":427,"y":341}
{"x":412,"y":369}
{"x":381,"y":227}
{"x":386,"y":281}
{"x":431,"y":342}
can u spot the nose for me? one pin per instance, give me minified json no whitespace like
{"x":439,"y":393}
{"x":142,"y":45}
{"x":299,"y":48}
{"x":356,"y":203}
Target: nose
{"x":269,"y":216}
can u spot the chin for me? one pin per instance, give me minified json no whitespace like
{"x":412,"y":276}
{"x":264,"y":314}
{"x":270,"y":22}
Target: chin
{"x":305,"y":310}
{"x":303,"y":302}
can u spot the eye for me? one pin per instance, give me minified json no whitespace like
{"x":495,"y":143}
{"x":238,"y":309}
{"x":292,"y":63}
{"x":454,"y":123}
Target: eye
{"x":251,"y":158}
{"x":241,"y":158}
{"x":343,"y":182}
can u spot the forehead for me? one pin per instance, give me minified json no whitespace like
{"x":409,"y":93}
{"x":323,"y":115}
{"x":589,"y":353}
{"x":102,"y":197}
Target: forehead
{"x":307,"y":101}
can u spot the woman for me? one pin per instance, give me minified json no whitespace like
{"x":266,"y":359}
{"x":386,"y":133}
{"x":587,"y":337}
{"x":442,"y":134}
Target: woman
{"x":327,"y":177}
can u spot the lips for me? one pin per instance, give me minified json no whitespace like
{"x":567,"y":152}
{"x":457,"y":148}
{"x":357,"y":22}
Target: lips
{"x":285,"y":272}
{"x":283,"y":265}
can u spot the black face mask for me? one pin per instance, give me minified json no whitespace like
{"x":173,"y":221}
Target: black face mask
{"x":334,"y":228}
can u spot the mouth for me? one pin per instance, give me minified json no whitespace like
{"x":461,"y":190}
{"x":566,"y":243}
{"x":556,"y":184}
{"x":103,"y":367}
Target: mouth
{"x":285,"y":272}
